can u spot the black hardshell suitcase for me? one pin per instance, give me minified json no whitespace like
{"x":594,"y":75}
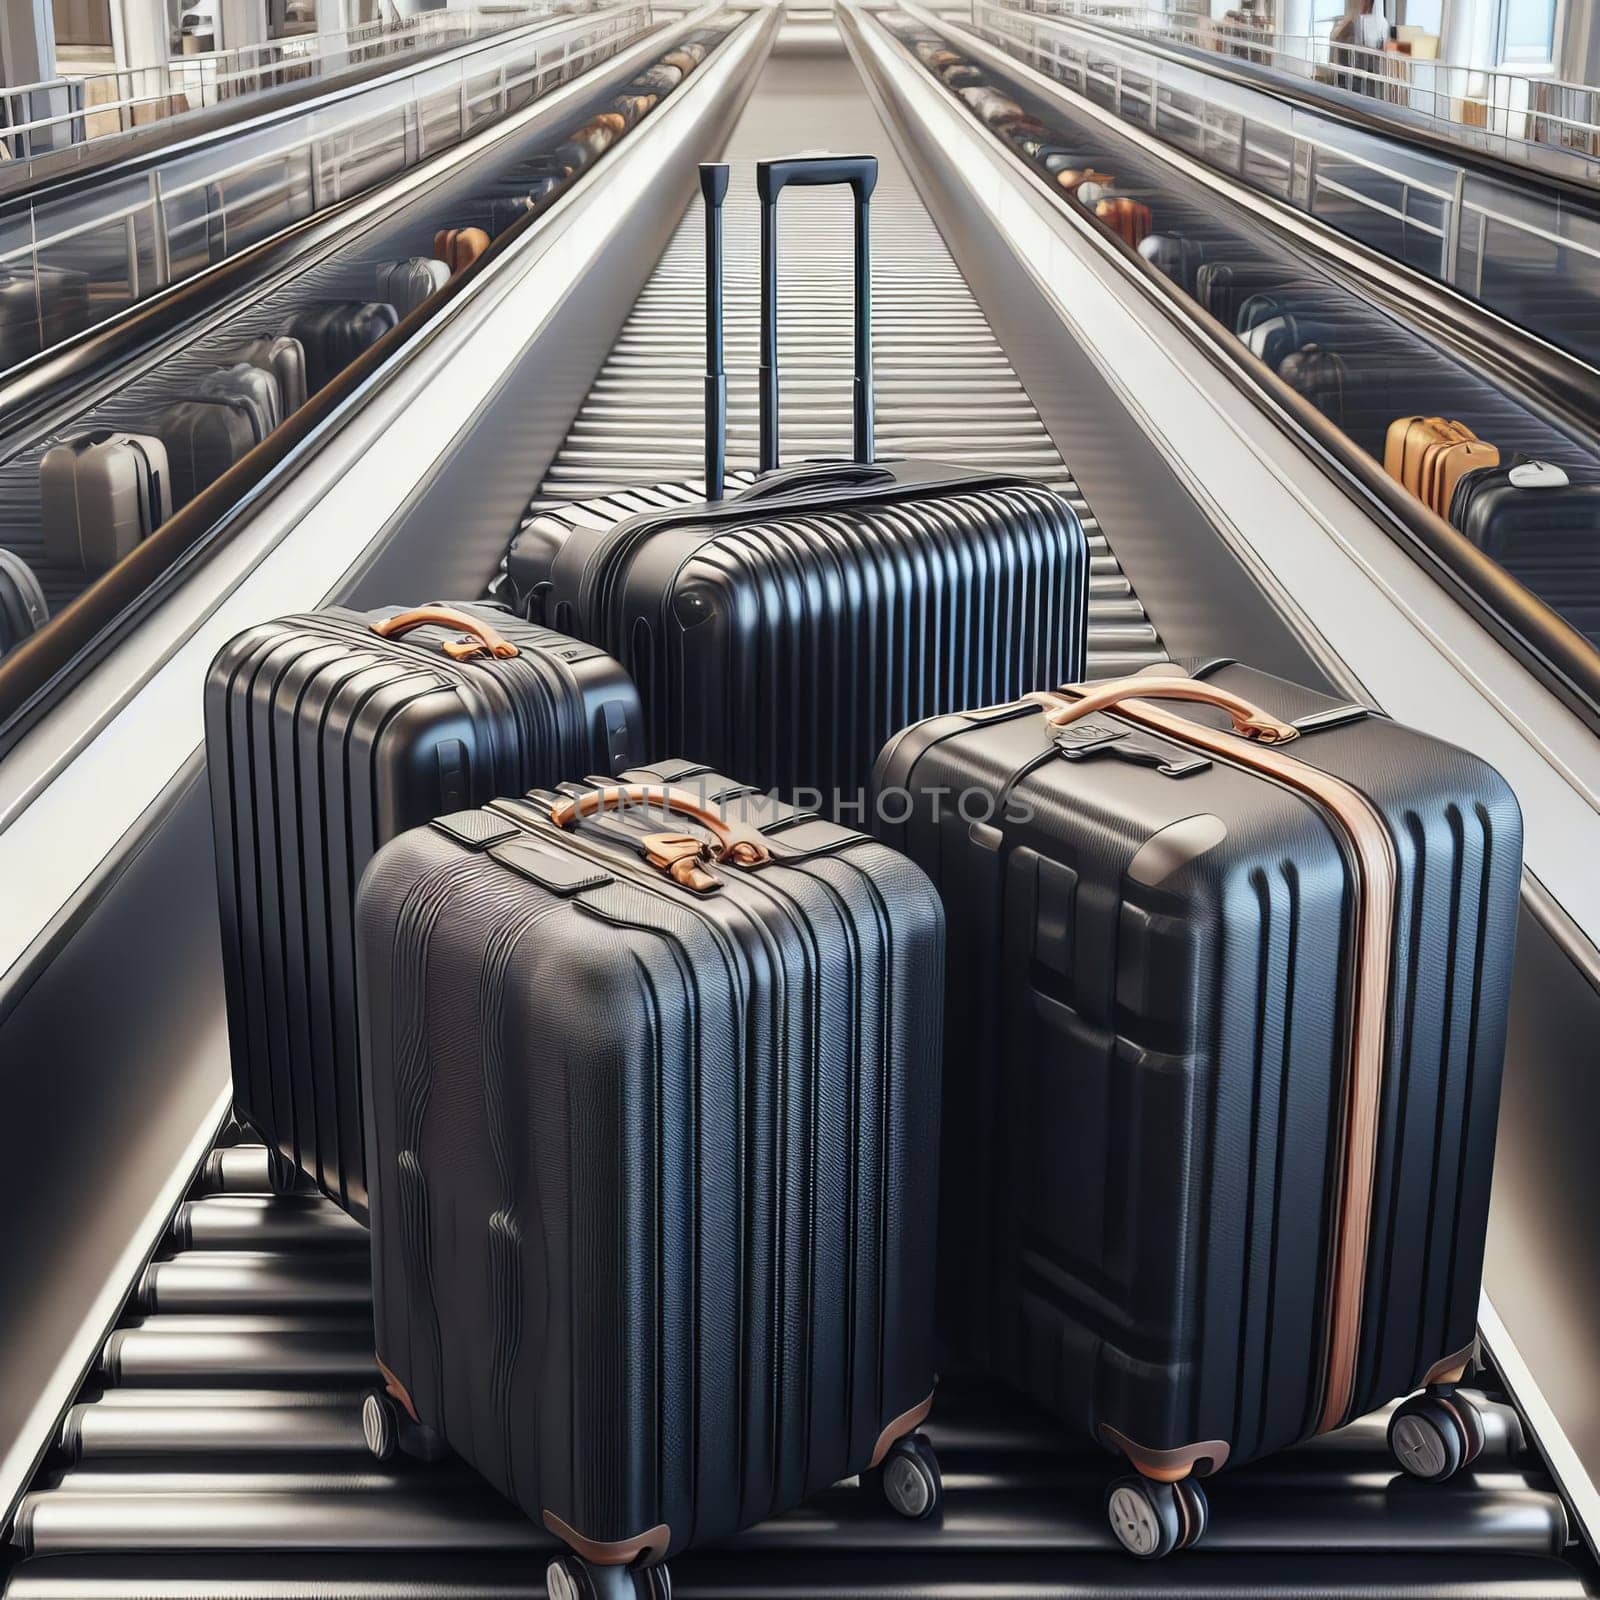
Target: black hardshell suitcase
{"x":654,"y":1130}
{"x":1174,"y":257}
{"x":324,"y":738}
{"x":335,"y":334}
{"x":1538,"y":520}
{"x":23,"y":610}
{"x":786,"y":631}
{"x":203,"y":438}
{"x":1225,"y":1021}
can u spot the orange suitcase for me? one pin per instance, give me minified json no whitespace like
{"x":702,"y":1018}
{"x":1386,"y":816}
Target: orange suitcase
{"x":458,"y":248}
{"x":1407,"y":442}
{"x":1129,"y":218}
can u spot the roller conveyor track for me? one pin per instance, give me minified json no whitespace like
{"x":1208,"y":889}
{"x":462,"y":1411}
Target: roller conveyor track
{"x":945,"y":388}
{"x":216,"y":1450}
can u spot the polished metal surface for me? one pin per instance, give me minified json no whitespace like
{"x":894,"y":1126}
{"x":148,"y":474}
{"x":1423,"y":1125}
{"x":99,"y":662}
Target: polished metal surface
{"x":945,"y":387}
{"x":218,"y":1452}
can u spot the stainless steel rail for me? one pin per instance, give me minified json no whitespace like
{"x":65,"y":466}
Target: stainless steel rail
{"x":135,"y":228}
{"x":1525,"y":243}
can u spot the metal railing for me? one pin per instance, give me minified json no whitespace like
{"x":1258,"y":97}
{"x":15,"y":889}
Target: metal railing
{"x":1532,"y":255}
{"x":61,"y":112}
{"x":1507,"y":113}
{"x":93,"y":253}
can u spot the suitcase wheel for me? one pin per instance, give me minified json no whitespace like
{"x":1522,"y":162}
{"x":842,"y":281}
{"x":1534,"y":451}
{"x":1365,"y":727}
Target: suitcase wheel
{"x":1153,"y":1519}
{"x":908,"y":1478}
{"x":1433,"y":1435}
{"x":388,"y":1429}
{"x":572,"y":1578}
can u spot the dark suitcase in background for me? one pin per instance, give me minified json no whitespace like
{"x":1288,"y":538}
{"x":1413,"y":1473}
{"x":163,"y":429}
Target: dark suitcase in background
{"x":335,"y":335}
{"x":255,"y":388}
{"x":1321,"y":376}
{"x":1227,"y":1006}
{"x":1174,"y":257}
{"x":285,"y":359}
{"x":324,"y":739}
{"x":203,"y":438}
{"x":654,"y":1129}
{"x":100,"y":493}
{"x":1539,"y":521}
{"x":22,"y":604}
{"x":703,"y":603}
{"x":407,"y":284}
{"x":1224,"y":287}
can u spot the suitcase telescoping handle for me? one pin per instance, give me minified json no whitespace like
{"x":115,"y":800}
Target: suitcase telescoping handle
{"x":772,"y":178}
{"x":714,"y":187}
{"x":478,"y":638}
{"x":1081,"y":700}
{"x":679,"y":855}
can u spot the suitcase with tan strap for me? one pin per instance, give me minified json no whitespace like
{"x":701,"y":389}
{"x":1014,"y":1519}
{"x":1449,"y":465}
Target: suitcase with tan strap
{"x":1226,"y":1006}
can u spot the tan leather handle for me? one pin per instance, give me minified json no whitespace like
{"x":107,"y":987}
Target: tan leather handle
{"x":1082,"y":700}
{"x":678,"y":855}
{"x":481,"y":639}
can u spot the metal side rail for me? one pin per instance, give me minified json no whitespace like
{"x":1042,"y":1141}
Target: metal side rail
{"x":217,"y":1451}
{"x":945,"y":387}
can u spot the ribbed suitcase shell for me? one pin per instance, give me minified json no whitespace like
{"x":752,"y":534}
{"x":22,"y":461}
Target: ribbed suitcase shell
{"x":334,"y":335}
{"x":786,"y":632}
{"x":655,"y":1171}
{"x":285,"y":359}
{"x":1144,"y":1047}
{"x":22,"y":604}
{"x":322,"y":741}
{"x":203,"y":439}
{"x":1541,"y":530}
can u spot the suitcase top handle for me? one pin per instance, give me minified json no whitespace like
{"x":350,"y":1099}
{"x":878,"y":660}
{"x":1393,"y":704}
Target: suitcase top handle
{"x":772,"y":178}
{"x":1067,"y":705}
{"x":679,"y":855}
{"x":478,"y":638}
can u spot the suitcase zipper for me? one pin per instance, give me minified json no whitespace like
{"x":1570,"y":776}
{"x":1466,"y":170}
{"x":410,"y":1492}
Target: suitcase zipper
{"x":1253,"y":743}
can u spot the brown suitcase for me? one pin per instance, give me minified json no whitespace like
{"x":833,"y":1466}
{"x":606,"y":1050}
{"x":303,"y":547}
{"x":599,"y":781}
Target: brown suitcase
{"x":1129,"y":218}
{"x":458,"y":248}
{"x":1408,"y":440}
{"x":1430,"y":474}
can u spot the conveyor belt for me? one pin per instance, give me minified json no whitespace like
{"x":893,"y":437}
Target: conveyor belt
{"x":945,"y":388}
{"x":216,"y":1452}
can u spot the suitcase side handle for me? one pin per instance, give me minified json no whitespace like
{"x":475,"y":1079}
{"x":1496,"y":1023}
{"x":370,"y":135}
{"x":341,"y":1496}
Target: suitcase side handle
{"x":772,"y":177}
{"x":679,"y":855}
{"x":1062,"y":707}
{"x":480,"y":639}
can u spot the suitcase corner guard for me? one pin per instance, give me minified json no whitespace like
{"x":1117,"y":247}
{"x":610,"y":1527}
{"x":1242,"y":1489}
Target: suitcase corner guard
{"x":1170,"y":1466}
{"x":906,"y":1422}
{"x":643,"y":1549}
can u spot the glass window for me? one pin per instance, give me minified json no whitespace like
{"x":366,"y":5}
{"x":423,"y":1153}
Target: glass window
{"x":286,"y":19}
{"x":1527,"y":30}
{"x":1425,"y":14}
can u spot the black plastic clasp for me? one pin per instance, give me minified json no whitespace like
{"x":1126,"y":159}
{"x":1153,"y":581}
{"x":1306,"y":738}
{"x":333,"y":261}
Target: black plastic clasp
{"x":1099,"y":736}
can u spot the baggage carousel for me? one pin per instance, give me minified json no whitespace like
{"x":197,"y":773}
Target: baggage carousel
{"x":217,"y":1450}
{"x":214,"y":1447}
